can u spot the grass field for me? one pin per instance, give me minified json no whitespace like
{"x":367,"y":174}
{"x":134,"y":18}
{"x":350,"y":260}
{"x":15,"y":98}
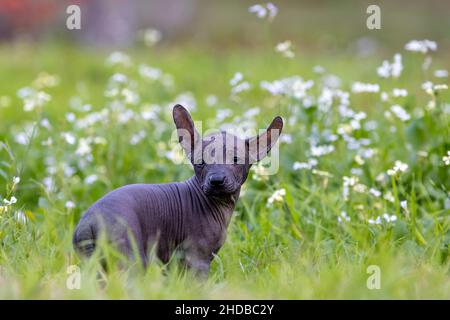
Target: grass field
{"x":105,"y":122}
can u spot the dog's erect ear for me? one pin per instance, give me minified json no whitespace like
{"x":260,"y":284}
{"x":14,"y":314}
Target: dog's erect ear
{"x":259,"y":146}
{"x":187,"y":134}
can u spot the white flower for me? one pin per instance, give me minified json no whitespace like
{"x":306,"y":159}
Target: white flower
{"x":152,"y":37}
{"x":273,"y":10}
{"x":399,"y":167}
{"x":404,"y":205}
{"x":69,"y":137}
{"x":260,"y":172}
{"x":83,"y":147}
{"x":343,"y":216}
{"x":347,"y":183}
{"x":359,"y":87}
{"x":243,"y":86}
{"x":376,"y":193}
{"x":70,"y":204}
{"x":150,"y":73}
{"x":91,"y":179}
{"x":399,"y":92}
{"x":16,"y":180}
{"x":446,"y":158}
{"x":294,"y":87}
{"x":319,"y":69}
{"x":21,"y":217}
{"x":389,"y":197}
{"x":378,"y":220}
{"x":318,"y":151}
{"x":360,"y":188}
{"x":375,"y":221}
{"x":211,"y":100}
{"x":285,"y":48}
{"x":261,"y":10}
{"x":441,"y":73}
{"x":238,"y":85}
{"x":118,"y":58}
{"x":136,"y":138}
{"x":45,"y":80}
{"x":421,"y":46}
{"x":277,"y":196}
{"x":393,"y":69}
{"x":237,"y":77}
{"x":305,"y":165}
{"x":400,"y":113}
{"x":46,"y":124}
{"x":389,"y":218}
{"x":11,"y":201}
{"x":36,"y":100}
{"x":439,"y":87}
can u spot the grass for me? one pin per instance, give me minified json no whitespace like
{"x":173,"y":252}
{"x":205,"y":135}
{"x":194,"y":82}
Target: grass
{"x":295,"y":248}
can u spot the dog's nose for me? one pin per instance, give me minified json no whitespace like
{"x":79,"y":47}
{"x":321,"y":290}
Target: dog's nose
{"x":217,"y":180}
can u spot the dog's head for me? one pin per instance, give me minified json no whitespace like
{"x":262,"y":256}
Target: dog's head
{"x":222,"y":161}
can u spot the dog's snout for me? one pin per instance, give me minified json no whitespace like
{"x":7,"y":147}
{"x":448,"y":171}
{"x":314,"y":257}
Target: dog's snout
{"x":217,"y":180}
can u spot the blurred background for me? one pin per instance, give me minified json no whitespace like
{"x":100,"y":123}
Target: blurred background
{"x":311,"y":25}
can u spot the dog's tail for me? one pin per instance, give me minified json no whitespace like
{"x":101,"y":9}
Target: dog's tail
{"x":84,"y":238}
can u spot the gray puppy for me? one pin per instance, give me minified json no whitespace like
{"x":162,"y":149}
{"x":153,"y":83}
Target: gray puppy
{"x":190,"y":216}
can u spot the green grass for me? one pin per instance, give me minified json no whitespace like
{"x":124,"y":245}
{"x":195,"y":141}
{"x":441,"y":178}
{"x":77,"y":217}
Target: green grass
{"x":296,"y":248}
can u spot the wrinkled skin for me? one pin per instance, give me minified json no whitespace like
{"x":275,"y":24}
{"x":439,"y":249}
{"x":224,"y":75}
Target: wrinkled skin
{"x":190,"y":216}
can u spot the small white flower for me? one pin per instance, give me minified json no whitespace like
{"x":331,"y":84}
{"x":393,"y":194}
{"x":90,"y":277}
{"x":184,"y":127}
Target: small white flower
{"x":404,"y":205}
{"x":318,"y":151}
{"x":376,"y":193}
{"x":277,"y":196}
{"x":377,"y":220}
{"x":16,"y":180}
{"x":422,"y":46}
{"x":69,"y":137}
{"x":441,"y":73}
{"x":305,"y":165}
{"x":35,"y":100}
{"x":389,"y":197}
{"x":394,"y":70}
{"x":211,"y":100}
{"x":259,"y":10}
{"x":399,"y":167}
{"x":400,"y":113}
{"x":359,"y":87}
{"x":70,"y":117}
{"x":21,"y":217}
{"x":118,"y":58}
{"x":389,"y":218}
{"x":237,"y":77}
{"x":263,"y":10}
{"x":446,"y":158}
{"x":343,"y":217}
{"x":70,"y":204}
{"x":152,"y":37}
{"x":91,"y":179}
{"x":11,"y":201}
{"x":285,"y":48}
{"x":399,"y":92}
{"x":83,"y":147}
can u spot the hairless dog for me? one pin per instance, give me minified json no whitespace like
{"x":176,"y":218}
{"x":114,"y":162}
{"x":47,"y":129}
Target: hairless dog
{"x":190,"y":216}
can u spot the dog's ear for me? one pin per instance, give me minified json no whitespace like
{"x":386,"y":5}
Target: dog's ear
{"x":187,"y":134}
{"x":259,"y":146}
